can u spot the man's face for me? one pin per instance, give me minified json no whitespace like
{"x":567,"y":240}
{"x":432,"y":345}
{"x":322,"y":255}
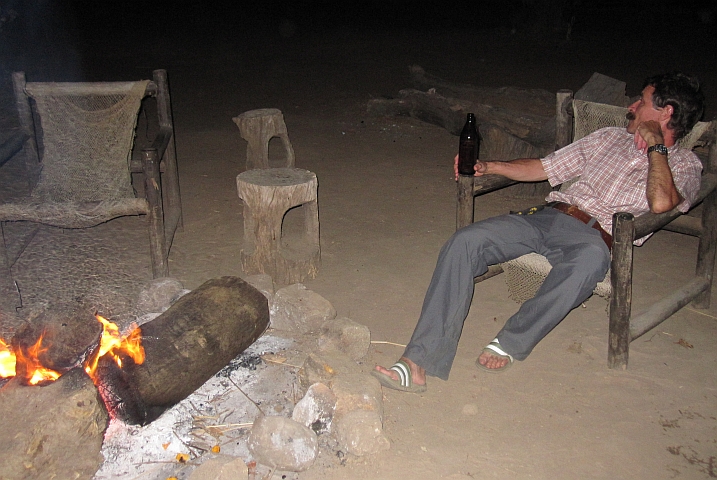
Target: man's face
{"x":642,"y":110}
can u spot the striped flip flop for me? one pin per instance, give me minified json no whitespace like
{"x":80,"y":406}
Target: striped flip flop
{"x":404,"y":382}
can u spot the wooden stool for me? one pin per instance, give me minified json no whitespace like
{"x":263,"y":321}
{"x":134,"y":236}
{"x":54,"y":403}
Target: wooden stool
{"x":268,"y":195}
{"x":257,"y":127}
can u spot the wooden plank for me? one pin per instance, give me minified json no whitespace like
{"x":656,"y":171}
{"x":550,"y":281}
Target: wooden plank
{"x":153,"y":194}
{"x":79,"y":88}
{"x":563,"y":119}
{"x":621,"y":298}
{"x":488,"y":183}
{"x":686,"y":225}
{"x":650,"y":222}
{"x":663,"y":309}
{"x":493,"y":270}
{"x":465,"y":205}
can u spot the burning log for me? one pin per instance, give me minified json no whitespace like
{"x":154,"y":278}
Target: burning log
{"x":63,"y":338}
{"x":194,"y":339}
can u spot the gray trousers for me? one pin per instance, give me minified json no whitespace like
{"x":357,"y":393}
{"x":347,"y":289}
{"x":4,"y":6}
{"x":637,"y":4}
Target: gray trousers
{"x":577,"y":253}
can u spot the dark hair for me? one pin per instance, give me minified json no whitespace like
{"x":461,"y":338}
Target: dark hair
{"x":683,"y":93}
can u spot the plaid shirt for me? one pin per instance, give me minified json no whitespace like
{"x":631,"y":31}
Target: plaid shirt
{"x":613,"y":175}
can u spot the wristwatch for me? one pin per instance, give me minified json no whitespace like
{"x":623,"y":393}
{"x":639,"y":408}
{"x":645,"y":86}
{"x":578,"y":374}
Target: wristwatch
{"x":659,"y":148}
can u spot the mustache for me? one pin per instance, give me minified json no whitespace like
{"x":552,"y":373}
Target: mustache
{"x":630,"y":116}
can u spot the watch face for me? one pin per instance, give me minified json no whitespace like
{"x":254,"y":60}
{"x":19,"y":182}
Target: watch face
{"x":659,"y":148}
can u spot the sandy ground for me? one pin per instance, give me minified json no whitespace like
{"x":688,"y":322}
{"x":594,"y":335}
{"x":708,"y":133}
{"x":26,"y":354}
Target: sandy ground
{"x":387,"y":204}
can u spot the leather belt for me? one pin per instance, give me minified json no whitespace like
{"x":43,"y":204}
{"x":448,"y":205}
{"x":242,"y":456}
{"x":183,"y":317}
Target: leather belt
{"x":578,"y":214}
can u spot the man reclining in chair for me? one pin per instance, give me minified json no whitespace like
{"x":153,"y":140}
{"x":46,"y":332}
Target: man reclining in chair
{"x":636,"y":170}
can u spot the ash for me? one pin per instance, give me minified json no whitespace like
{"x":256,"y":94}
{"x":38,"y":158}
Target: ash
{"x":218,"y":415}
{"x":247,"y":361}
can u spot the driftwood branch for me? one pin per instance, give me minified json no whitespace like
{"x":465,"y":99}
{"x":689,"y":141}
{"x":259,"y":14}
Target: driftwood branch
{"x":528,"y":114}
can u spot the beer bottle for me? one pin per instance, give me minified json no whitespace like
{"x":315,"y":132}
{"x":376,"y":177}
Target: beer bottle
{"x":468,"y":147}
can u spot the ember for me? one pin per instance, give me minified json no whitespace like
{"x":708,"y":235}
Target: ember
{"x":25,"y":361}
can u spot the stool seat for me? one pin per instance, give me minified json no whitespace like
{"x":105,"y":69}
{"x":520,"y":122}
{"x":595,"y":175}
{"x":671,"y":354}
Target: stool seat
{"x":268,"y":194}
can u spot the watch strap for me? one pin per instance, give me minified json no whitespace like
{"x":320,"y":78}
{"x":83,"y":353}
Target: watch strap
{"x":659,"y":148}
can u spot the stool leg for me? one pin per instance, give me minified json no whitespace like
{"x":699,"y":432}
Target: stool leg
{"x":311,"y":212}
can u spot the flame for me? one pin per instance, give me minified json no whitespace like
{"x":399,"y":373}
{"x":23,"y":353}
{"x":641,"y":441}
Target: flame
{"x":7,"y":360}
{"x":35,"y":372}
{"x":113,"y":344}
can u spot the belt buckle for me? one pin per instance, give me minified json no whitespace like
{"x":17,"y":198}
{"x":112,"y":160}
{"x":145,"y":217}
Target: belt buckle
{"x":529,"y":211}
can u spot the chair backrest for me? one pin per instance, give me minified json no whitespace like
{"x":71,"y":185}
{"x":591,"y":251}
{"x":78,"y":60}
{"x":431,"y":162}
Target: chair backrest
{"x":590,"y":116}
{"x":87,"y":136}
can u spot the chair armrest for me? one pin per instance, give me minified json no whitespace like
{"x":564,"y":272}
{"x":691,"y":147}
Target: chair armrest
{"x":160,"y":143}
{"x":11,"y":146}
{"x":651,"y":222}
{"x":488,"y":183}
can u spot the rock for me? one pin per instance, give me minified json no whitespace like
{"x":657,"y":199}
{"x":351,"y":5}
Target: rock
{"x":316,"y":409}
{"x":322,"y":368}
{"x":361,"y":433}
{"x":357,"y":392}
{"x":221,"y":467}
{"x":40,"y":425}
{"x":296,"y":309}
{"x":263,"y":283}
{"x":158,"y":294}
{"x":282,"y":443}
{"x":345,"y":335}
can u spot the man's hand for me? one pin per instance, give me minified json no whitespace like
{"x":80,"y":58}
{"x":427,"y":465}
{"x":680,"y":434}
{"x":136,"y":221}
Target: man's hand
{"x":648,"y":134}
{"x":520,"y":169}
{"x":662,"y":195}
{"x":480,"y":167}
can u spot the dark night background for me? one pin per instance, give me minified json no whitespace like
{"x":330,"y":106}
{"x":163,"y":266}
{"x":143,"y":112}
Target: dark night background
{"x":92,"y":40}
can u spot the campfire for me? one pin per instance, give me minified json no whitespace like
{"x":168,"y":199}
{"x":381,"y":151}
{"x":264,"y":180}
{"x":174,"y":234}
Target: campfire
{"x":88,"y":370}
{"x":26,"y":361}
{"x":153,"y":366}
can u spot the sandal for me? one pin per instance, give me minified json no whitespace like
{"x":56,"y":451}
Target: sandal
{"x":404,"y":382}
{"x":494,"y":349}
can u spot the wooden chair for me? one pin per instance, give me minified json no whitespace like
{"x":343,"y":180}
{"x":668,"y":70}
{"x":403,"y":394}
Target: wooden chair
{"x":623,"y":326}
{"x":76,"y":141}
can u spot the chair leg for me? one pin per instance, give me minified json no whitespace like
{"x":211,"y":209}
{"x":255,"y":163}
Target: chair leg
{"x":170,"y":189}
{"x":465,"y":208}
{"x":621,"y":299}
{"x":153,"y":193}
{"x":707,"y":248}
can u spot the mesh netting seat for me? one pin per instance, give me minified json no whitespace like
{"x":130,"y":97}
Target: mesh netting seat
{"x":78,"y":140}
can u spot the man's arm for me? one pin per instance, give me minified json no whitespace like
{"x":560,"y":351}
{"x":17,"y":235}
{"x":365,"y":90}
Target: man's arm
{"x":662,"y":195}
{"x":521,"y":169}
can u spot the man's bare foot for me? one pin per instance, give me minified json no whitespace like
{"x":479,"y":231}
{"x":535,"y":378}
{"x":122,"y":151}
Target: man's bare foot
{"x":492,"y":362}
{"x":493,"y":358}
{"x":418,"y":374}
